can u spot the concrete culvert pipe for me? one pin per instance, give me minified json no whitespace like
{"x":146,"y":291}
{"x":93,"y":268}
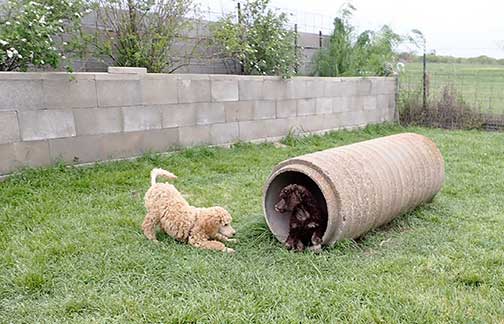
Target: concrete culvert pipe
{"x":363,"y":185}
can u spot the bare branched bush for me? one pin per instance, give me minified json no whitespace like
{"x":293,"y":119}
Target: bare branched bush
{"x":141,"y":33}
{"x":448,"y":111}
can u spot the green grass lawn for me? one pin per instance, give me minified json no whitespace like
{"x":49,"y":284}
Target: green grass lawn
{"x":481,"y":86}
{"x":73,"y":251}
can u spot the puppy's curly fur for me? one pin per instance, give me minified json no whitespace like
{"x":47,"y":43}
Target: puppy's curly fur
{"x":308,"y":219}
{"x":200,"y":227}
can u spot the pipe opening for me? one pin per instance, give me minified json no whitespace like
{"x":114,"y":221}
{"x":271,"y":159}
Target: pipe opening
{"x":279,"y":222}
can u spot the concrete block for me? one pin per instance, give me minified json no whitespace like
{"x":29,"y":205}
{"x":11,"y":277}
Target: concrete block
{"x":193,"y":90}
{"x":286,"y":108}
{"x":306,"y":107}
{"x":314,"y":88}
{"x":20,"y":94}
{"x":119,"y":92}
{"x":93,"y":121}
{"x":194,"y":135}
{"x":251,"y":89}
{"x":307,"y":123}
{"x":210,"y":113}
{"x":141,"y":118}
{"x":356,"y":103}
{"x":362,"y":86}
{"x":274,"y":88}
{"x":65,"y":92}
{"x":381,"y":86}
{"x":162,"y":140}
{"x":264,"y":109}
{"x":373,"y":116}
{"x":353,"y":118}
{"x":126,"y":70}
{"x":23,"y":154}
{"x":341,"y":104}
{"x":295,"y":88}
{"x":258,"y":129}
{"x":369,"y":102}
{"x":80,"y":149}
{"x":239,"y":110}
{"x":323,"y":106}
{"x":159,"y":91}
{"x":224,"y":90}
{"x":335,"y":87}
{"x":32,"y":154}
{"x":121,"y":145}
{"x":8,"y":161}
{"x":308,"y":40}
{"x":45,"y":124}
{"x":179,"y":115}
{"x":224,"y":133}
{"x":382,"y":101}
{"x":9,"y":128}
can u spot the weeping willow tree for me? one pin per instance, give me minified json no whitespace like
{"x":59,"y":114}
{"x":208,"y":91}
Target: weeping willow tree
{"x":352,"y":54}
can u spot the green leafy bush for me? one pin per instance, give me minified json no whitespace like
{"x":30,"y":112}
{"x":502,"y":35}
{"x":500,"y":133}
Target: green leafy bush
{"x":31,"y":32}
{"x":259,"y":40}
{"x":348,"y":54}
{"x":140,"y":33}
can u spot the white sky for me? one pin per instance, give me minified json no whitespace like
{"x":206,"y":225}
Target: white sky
{"x":458,"y":28}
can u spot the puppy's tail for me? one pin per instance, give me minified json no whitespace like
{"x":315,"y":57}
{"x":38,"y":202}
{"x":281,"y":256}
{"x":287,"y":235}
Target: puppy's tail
{"x":157,"y":172}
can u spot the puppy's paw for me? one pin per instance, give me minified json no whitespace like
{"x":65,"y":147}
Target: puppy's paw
{"x":316,"y":240}
{"x":229,"y":250}
{"x":315,"y":248}
{"x":232,"y":240}
{"x":289,"y":244}
{"x":299,"y":246}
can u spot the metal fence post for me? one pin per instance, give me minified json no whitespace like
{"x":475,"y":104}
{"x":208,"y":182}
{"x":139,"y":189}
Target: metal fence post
{"x":238,"y":7}
{"x":295,"y":48}
{"x":424,"y":102}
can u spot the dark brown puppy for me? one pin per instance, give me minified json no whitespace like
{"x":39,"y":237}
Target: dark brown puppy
{"x":307,"y":222}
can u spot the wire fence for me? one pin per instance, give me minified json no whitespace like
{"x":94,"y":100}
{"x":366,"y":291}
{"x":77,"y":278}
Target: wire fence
{"x":475,"y":87}
{"x":195,"y":53}
{"x":306,"y":21}
{"x":479,"y":88}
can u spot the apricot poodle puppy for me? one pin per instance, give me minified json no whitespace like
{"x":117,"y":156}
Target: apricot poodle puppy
{"x":200,"y":227}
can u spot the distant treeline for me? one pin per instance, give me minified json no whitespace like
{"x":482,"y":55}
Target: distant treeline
{"x":432,"y":58}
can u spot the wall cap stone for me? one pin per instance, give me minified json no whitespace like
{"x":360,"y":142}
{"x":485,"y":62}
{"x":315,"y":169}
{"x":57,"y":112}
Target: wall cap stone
{"x":126,"y":70}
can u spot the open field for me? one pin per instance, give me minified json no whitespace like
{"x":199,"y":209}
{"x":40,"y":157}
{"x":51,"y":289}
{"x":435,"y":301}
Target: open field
{"x":481,"y":86}
{"x":73,"y":251}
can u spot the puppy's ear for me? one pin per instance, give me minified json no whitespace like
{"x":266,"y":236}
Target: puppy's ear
{"x":302,"y":192}
{"x":211,"y":223}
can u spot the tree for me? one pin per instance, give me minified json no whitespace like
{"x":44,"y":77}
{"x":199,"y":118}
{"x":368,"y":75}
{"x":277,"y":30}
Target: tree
{"x":140,"y":33}
{"x":348,"y":54}
{"x":31,"y":32}
{"x":258,"y":39}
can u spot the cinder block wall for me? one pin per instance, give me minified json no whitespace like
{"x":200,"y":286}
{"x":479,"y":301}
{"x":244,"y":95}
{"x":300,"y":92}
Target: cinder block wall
{"x":86,"y":117}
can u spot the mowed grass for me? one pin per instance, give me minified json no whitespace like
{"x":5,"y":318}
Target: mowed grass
{"x":481,"y":86}
{"x":73,"y":251}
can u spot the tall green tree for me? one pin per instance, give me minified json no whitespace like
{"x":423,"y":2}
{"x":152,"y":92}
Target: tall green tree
{"x":259,"y":39}
{"x":351,"y":54}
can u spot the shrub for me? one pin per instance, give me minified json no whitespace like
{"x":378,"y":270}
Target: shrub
{"x":140,"y":33}
{"x":31,"y":32}
{"x":447,"y":111}
{"x":259,"y":41}
{"x":348,"y":54}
